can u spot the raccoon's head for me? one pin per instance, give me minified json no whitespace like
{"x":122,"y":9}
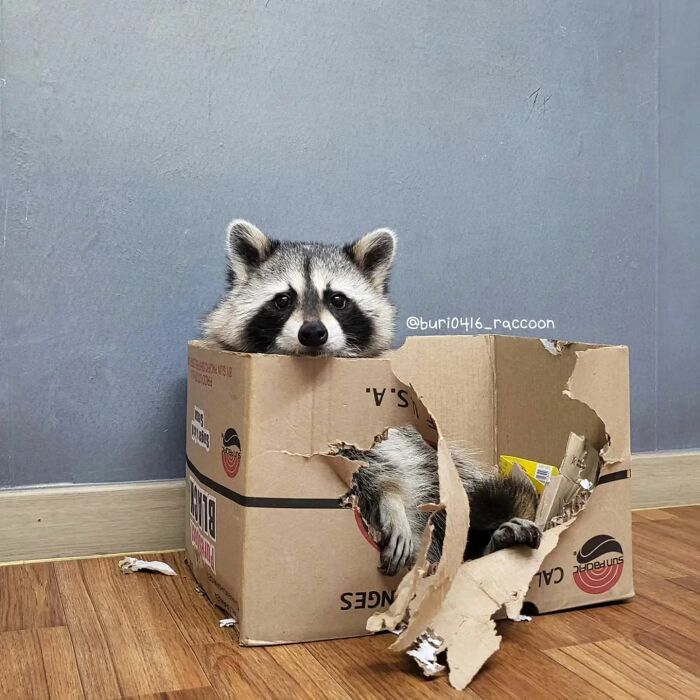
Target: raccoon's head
{"x":305,"y":298}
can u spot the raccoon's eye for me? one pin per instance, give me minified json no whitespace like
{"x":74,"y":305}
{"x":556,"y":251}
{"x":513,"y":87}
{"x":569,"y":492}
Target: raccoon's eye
{"x":338,"y":300}
{"x":282,"y":301}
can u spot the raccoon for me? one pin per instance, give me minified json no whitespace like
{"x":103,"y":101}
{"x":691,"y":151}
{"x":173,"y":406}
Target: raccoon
{"x":304,"y":298}
{"x":325,"y":300}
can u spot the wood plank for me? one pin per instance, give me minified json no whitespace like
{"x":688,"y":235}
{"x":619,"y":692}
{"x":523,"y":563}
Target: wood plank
{"x":686,"y":533}
{"x":667,"y":596}
{"x":22,"y":673}
{"x":675,"y":647}
{"x":644,"y":582}
{"x":590,"y":668}
{"x":517,"y":671}
{"x":92,"y":652}
{"x":692,"y":583}
{"x":196,"y":617}
{"x":668,"y":679}
{"x":368,"y":669}
{"x":631,"y":667}
{"x":621,"y":617}
{"x":140,"y":649}
{"x":652,"y":514}
{"x":598,"y":681}
{"x":668,"y":559}
{"x":189,"y":694}
{"x":643,"y":613}
{"x":650,"y":565}
{"x":151,"y":636}
{"x":198,"y":621}
{"x":29,"y":598}
{"x":302,"y":665}
{"x":252,"y":672}
{"x":557,"y":630}
{"x":60,"y":665}
{"x":686,"y":513}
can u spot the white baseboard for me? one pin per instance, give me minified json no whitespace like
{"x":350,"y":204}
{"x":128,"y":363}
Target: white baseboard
{"x":73,"y":521}
{"x":78,"y":521}
{"x":663,"y":479}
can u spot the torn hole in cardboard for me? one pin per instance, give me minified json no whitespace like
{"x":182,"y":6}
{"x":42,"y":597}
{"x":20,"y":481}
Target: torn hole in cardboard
{"x":338,"y":470}
{"x":452,"y":608}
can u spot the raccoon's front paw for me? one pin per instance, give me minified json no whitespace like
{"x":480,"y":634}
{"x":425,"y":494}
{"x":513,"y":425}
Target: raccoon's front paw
{"x":396,"y":543}
{"x":515,"y":531}
{"x":396,"y":552}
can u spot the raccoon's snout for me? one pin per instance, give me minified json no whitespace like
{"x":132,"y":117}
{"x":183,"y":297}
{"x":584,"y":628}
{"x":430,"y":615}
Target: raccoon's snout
{"x":313,"y":334}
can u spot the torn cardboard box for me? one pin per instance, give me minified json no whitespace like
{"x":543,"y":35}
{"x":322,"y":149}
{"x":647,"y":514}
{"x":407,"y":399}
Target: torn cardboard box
{"x":269,"y":540}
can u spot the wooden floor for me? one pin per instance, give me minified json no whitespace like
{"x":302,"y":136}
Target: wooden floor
{"x":76,"y":629}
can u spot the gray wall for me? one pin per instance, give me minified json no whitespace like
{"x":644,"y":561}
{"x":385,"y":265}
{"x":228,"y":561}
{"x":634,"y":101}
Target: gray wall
{"x":515,"y":147}
{"x":677,"y":340}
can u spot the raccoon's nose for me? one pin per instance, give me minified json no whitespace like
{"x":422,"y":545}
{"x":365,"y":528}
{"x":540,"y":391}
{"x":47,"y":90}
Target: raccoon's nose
{"x":313,"y":334}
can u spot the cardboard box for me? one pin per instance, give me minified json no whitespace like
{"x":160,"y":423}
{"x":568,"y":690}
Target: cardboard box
{"x":267,"y":537}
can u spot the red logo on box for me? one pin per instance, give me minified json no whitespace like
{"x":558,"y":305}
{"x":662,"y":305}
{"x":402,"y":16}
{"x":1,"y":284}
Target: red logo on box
{"x":599,"y":564}
{"x":231,"y":453}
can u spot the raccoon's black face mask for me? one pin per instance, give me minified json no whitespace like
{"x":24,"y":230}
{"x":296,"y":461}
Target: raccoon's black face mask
{"x":305,"y":298}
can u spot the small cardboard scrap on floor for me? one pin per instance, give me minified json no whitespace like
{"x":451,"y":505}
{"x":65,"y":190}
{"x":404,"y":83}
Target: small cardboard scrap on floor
{"x":130,"y":565}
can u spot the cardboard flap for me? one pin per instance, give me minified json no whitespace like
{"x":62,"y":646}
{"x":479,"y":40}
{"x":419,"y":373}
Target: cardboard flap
{"x":600,"y":380}
{"x":534,"y":416}
{"x":453,"y":376}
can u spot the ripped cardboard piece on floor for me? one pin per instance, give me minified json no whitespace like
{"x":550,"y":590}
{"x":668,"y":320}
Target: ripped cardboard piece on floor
{"x":268,"y":538}
{"x":130,"y":565}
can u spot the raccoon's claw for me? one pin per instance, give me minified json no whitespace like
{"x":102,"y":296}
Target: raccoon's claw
{"x":396,"y":552}
{"x":514,"y":532}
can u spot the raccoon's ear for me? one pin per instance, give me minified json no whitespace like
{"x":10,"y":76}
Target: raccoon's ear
{"x":248,"y":247}
{"x":373,"y":254}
